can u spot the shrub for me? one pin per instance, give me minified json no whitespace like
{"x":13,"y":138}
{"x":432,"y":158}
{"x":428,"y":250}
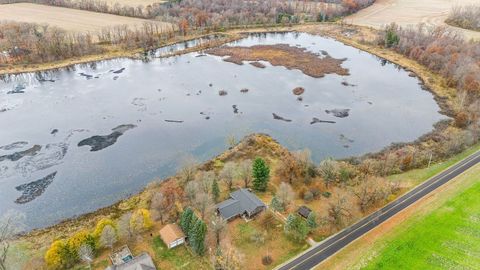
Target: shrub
{"x":308,"y":196}
{"x":267,"y":260}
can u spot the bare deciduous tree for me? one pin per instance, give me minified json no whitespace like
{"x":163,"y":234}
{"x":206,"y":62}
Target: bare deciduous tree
{"x":218,"y":227}
{"x":108,"y":238}
{"x":285,"y":194}
{"x":125,"y":229}
{"x":11,"y":223}
{"x":328,"y":169}
{"x":244,"y":172}
{"x":227,"y":174}
{"x":339,"y":211}
{"x":188,"y":170}
{"x":85,"y":253}
{"x":203,"y":203}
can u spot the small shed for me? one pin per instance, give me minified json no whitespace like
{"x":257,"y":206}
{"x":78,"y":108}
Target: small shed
{"x":172,"y":235}
{"x":304,"y":211}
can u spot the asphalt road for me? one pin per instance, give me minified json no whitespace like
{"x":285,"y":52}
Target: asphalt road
{"x":315,"y":255}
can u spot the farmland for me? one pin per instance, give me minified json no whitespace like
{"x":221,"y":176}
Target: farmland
{"x":409,"y":12}
{"x":71,"y":20}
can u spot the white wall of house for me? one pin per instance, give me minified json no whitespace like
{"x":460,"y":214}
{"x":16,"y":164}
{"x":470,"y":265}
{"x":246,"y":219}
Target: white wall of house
{"x":176,"y":243}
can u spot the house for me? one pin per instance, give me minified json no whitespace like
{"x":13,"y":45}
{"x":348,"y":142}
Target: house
{"x":304,"y":211}
{"x":124,"y":260}
{"x":172,"y":235}
{"x":241,"y":203}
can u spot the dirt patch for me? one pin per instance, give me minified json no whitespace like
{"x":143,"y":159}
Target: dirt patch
{"x":309,"y":63}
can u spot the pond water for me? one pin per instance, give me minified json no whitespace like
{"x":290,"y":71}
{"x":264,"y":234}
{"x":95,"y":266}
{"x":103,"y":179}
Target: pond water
{"x":78,"y":139}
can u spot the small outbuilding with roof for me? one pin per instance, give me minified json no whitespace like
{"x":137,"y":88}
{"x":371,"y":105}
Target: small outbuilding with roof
{"x":304,"y":211}
{"x":172,"y":235}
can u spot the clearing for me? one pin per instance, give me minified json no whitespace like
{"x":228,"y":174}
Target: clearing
{"x":72,"y":20}
{"x":409,"y":12}
{"x":413,"y":239}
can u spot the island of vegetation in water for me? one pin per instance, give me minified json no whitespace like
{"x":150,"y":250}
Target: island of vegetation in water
{"x":291,"y":57}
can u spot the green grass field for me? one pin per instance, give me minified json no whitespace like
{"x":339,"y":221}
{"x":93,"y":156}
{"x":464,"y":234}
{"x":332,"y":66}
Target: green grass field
{"x":446,"y":238}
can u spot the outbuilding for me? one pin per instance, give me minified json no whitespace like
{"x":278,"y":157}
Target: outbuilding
{"x":304,"y":211}
{"x":172,"y":235}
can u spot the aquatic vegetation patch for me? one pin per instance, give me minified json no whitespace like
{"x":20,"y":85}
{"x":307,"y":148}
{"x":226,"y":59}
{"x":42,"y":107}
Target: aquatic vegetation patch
{"x":309,"y":63}
{"x":32,"y":190}
{"x":99,"y":142}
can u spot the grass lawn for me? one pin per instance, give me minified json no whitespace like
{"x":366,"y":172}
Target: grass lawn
{"x":177,"y":258}
{"x":447,"y":238}
{"x":275,"y":243}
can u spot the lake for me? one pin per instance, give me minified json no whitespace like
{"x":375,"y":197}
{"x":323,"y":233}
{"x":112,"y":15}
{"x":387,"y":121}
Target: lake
{"x":81,"y":138}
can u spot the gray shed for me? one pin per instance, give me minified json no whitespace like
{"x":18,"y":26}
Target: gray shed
{"x":241,"y":202}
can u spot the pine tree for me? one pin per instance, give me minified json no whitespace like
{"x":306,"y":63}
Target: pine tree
{"x":197,"y":237}
{"x":186,"y":220}
{"x":215,"y":190}
{"x":312,"y":221}
{"x":261,"y":174}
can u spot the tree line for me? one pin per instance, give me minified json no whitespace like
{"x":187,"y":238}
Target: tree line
{"x":30,"y":43}
{"x":220,"y":14}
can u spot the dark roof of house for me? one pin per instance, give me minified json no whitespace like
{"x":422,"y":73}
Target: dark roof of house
{"x":229,"y":208}
{"x":240,"y":201}
{"x":304,"y":211}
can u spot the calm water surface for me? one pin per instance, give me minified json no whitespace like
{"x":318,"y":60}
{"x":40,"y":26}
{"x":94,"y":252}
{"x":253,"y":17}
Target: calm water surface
{"x":127,"y":102}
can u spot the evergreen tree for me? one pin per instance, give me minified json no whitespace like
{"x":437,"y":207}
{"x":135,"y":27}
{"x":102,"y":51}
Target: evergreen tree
{"x":296,"y":227}
{"x":186,"y":220}
{"x":312,"y":221}
{"x":197,"y":237}
{"x":215,"y":190}
{"x":261,"y":174}
{"x":276,"y":204}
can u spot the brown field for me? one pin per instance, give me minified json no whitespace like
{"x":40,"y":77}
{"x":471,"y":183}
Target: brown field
{"x":409,"y":12}
{"x":72,"y":20}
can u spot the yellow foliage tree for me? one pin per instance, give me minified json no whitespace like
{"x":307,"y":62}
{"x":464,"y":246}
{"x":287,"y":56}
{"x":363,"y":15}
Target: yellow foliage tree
{"x":141,"y":220}
{"x":101,"y":225}
{"x":60,"y":255}
{"x":78,"y":239}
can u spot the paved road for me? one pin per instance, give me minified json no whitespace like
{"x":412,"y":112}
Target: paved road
{"x":328,"y":247}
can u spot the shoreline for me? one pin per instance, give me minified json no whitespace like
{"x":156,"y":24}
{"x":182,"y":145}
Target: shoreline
{"x":69,"y":225}
{"x":412,"y":66}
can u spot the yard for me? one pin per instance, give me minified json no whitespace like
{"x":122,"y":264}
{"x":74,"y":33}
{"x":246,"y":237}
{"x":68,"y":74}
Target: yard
{"x":177,"y":258}
{"x":254,"y":241}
